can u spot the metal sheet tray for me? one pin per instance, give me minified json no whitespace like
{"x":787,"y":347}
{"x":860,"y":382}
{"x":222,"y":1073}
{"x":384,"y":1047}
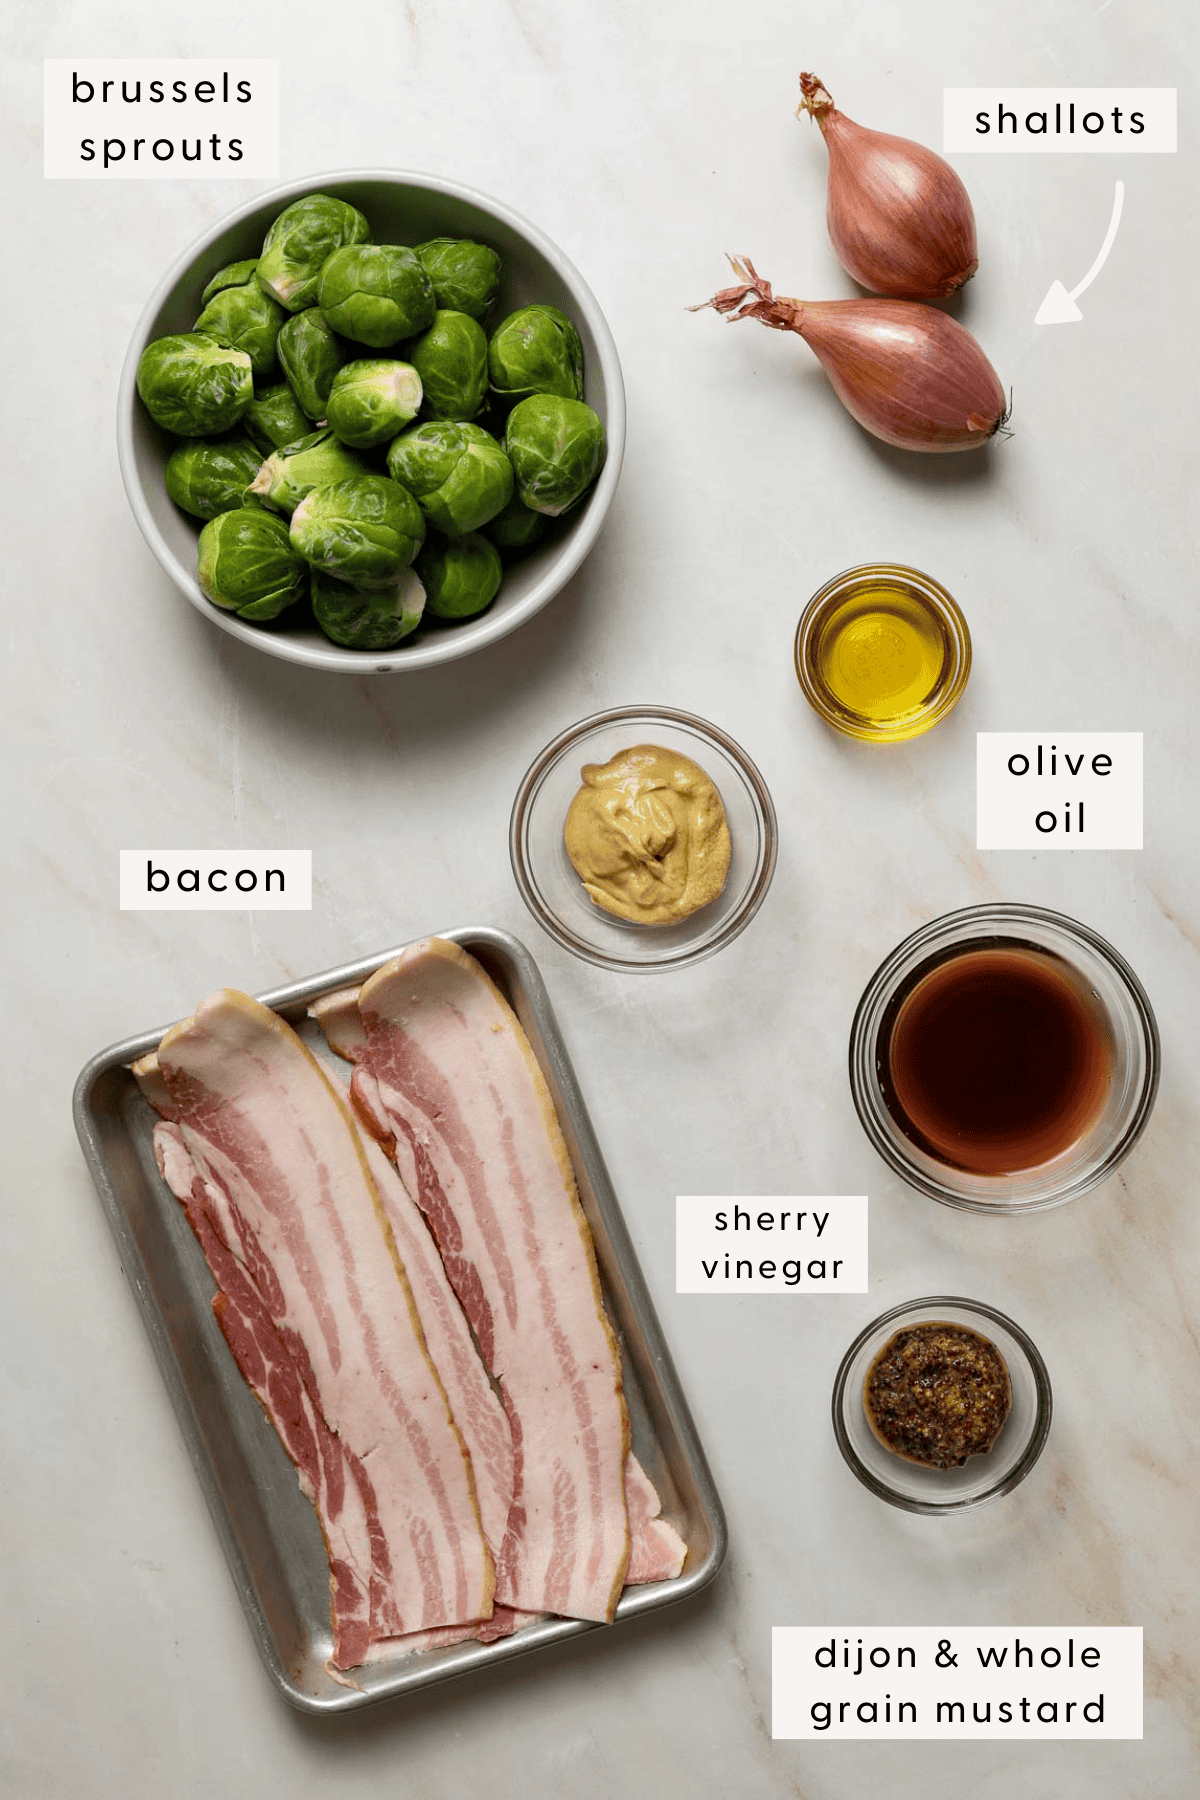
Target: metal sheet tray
{"x":268,"y":1529}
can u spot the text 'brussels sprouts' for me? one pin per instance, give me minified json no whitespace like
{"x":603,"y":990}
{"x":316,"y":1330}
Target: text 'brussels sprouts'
{"x":556,"y":448}
{"x":300,"y":241}
{"x":458,"y":472}
{"x":247,"y":565}
{"x":537,"y":351}
{"x":367,"y":618}
{"x":376,"y":294}
{"x":365,"y":531}
{"x":465,"y":275}
{"x":372,"y":400}
{"x":193,"y":386}
{"x":311,"y":357}
{"x":452,"y":360}
{"x":317,"y":460}
{"x":461,"y":575}
{"x":207,"y":476}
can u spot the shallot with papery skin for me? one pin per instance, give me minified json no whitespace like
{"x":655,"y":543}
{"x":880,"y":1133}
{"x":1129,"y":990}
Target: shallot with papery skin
{"x":907,"y":373}
{"x":899,"y":217}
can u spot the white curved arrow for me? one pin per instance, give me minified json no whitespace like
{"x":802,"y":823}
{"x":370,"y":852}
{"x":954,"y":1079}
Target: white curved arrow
{"x":1059,"y":308}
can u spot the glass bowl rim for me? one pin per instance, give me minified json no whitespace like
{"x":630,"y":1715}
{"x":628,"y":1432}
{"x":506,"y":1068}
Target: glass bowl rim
{"x":952,"y":617}
{"x":735,"y":922}
{"x":1000,"y":913}
{"x":1043,"y":1414}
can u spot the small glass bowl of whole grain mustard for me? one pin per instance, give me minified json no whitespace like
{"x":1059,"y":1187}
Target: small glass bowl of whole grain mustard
{"x":974,"y":1341}
{"x":648,"y":765}
{"x":882,"y":653}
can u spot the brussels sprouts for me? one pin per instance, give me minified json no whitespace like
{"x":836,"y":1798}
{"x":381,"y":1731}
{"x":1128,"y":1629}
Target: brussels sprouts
{"x":517,"y":527}
{"x":366,"y":530}
{"x":232,"y":275}
{"x":314,"y":461}
{"x":299,"y":242}
{"x":193,"y":386}
{"x":452,"y":360}
{"x":311,"y":357}
{"x":247,"y":565}
{"x":244,"y":318}
{"x":461,"y":575}
{"x":273,"y":419}
{"x":465,"y":276}
{"x":367,"y":618}
{"x":376,"y":294}
{"x":556,"y":448}
{"x":371,"y":400}
{"x":206,"y":476}
{"x":459,"y":474}
{"x":537,"y":351}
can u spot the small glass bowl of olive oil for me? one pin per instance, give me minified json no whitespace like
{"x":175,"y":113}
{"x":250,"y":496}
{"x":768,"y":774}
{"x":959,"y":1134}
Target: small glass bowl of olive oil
{"x":882,"y":653}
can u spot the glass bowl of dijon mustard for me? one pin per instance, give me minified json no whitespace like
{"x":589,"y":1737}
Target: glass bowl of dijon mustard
{"x":942,"y":1404}
{"x":643,"y":838}
{"x":882,"y":653}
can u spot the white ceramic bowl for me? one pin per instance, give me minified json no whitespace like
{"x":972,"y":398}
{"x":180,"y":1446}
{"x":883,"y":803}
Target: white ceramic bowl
{"x":403,"y":208}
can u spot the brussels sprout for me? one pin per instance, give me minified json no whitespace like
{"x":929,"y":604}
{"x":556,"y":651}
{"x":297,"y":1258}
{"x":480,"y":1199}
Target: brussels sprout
{"x":376,"y":294}
{"x":537,"y":351}
{"x":314,"y":461}
{"x":459,"y":474}
{"x":273,"y":419}
{"x":365,"y":531}
{"x":206,"y":476}
{"x":193,"y":386}
{"x":232,"y":275}
{"x":247,"y":565}
{"x":244,"y":318}
{"x":367,"y":618}
{"x":311,"y":357}
{"x":517,"y":527}
{"x":371,"y":400}
{"x":461,"y":575}
{"x":557,"y":448}
{"x":299,"y":242}
{"x":452,"y":360}
{"x":465,"y":276}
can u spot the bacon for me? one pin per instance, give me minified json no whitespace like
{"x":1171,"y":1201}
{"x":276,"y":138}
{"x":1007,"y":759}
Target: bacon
{"x":657,"y":1551}
{"x":448,"y":1082}
{"x":290,"y":1209}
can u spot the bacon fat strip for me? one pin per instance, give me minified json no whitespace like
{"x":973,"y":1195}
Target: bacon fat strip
{"x":477,"y":1142}
{"x":267,"y":1132}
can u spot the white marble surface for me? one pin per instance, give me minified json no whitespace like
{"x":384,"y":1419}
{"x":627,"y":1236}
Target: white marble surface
{"x":647,"y":141}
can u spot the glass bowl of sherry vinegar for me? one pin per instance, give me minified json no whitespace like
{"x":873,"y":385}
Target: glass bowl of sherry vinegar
{"x":1004,"y":1059}
{"x":882,"y":653}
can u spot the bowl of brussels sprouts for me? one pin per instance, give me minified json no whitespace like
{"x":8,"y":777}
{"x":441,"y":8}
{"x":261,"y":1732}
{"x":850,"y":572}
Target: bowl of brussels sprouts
{"x":371,"y":422}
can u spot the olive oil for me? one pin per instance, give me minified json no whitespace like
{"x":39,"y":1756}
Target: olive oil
{"x":882,"y":653}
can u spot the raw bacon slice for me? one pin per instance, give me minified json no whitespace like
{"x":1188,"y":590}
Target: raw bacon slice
{"x":292,"y":1198}
{"x":656,"y":1551}
{"x":476,"y":1140}
{"x":329,"y":1476}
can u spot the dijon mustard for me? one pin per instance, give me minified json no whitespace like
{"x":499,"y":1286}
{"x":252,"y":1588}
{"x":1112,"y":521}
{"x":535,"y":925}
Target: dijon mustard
{"x":648,"y":837}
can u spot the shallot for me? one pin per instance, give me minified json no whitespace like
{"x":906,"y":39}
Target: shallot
{"x":909,"y":374}
{"x":899,"y":217}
